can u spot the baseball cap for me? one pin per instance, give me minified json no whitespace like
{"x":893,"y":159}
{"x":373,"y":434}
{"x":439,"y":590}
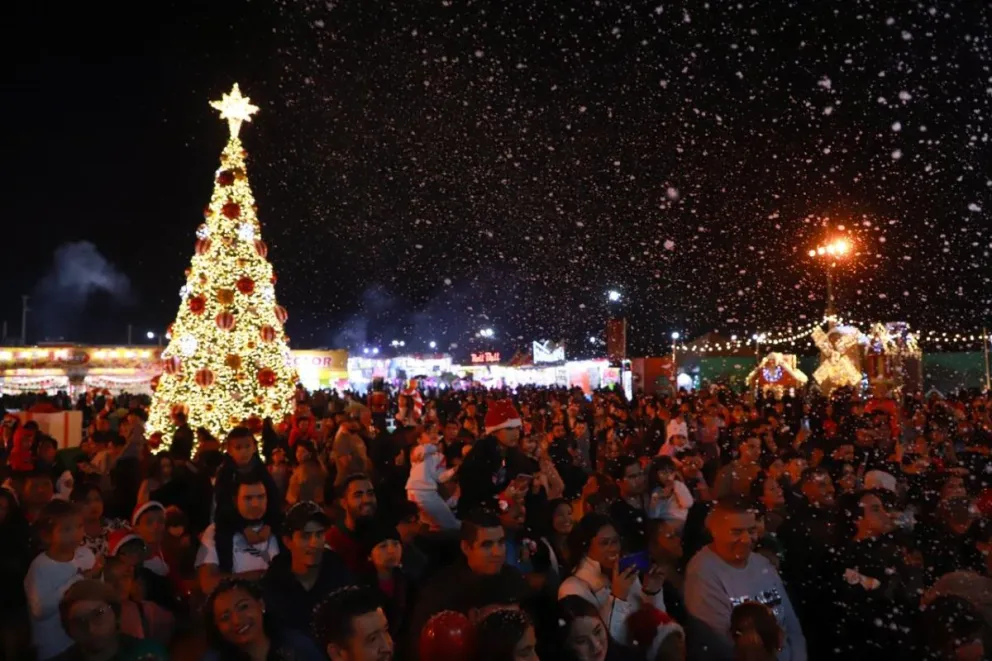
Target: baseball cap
{"x":302,"y":513}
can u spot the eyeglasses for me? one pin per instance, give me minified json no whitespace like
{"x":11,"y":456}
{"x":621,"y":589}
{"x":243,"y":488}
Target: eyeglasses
{"x":85,"y":620}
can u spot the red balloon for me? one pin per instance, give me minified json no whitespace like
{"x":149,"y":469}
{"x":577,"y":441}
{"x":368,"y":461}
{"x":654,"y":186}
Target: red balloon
{"x":202,"y":246}
{"x":268,"y":333}
{"x":281,"y":314}
{"x":261,"y":248}
{"x":447,"y":637}
{"x":171,"y":365}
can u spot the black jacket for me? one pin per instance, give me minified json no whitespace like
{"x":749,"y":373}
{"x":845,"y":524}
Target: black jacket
{"x":483,"y":475}
{"x":289,"y":603}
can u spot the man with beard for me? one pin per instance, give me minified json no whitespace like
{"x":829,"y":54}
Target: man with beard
{"x":809,"y":538}
{"x":352,"y":626}
{"x":726,"y":574}
{"x":483,"y":474}
{"x":357,"y":501}
{"x":302,"y":578}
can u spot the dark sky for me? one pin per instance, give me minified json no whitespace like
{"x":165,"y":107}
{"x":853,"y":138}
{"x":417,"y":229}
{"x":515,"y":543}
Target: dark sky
{"x":426,"y":169}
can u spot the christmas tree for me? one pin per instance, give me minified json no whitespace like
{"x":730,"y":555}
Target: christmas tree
{"x":227,"y":362}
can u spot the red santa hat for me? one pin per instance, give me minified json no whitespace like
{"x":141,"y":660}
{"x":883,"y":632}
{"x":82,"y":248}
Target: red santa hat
{"x":118,"y":538}
{"x":502,"y":415}
{"x":144,"y":507}
{"x":649,"y":627}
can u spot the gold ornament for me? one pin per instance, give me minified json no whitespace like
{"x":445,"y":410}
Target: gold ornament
{"x":233,"y":361}
{"x":225,"y":296}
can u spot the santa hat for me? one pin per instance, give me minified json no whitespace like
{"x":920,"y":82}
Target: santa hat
{"x":502,"y":415}
{"x":144,"y":507}
{"x":118,"y":538}
{"x":649,"y":627}
{"x":880,"y":480}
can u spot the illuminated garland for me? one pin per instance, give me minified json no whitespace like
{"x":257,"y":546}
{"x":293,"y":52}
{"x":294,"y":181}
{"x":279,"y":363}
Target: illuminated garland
{"x":228,"y":362}
{"x":794,"y":338}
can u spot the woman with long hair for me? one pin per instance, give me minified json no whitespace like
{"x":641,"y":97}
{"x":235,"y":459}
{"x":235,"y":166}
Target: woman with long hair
{"x":594,"y":546}
{"x":756,"y":633}
{"x":555,"y":528}
{"x":506,"y":635}
{"x":583,"y":636}
{"x":239,"y":630}
{"x":159,"y":486}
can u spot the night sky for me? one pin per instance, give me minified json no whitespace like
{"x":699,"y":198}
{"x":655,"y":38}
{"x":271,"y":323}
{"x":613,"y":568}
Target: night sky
{"x":427,"y":169}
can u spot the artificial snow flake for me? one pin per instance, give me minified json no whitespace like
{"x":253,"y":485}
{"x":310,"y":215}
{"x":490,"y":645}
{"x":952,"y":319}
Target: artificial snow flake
{"x":268,"y":293}
{"x":974,"y":207}
{"x":185,"y":291}
{"x":246,"y":232}
{"x":202,"y":232}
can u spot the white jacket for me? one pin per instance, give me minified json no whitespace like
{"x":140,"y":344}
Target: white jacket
{"x":427,"y":468}
{"x":589,"y":583}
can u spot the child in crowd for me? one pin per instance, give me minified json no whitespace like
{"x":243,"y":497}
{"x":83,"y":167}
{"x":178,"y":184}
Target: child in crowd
{"x":63,"y":562}
{"x":427,"y":472}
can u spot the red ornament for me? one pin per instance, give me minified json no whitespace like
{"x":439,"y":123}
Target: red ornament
{"x":179,"y":408}
{"x":448,"y":636}
{"x":255,"y":424}
{"x":154,"y":383}
{"x":268,"y":333}
{"x":207,"y":213}
{"x":231,"y":210}
{"x":202,"y":246}
{"x":245,"y":285}
{"x":225,"y":178}
{"x":281,"y":314}
{"x":171,"y":365}
{"x":225,"y":321}
{"x":197,"y":304}
{"x":261,"y":248}
{"x":273,"y":279}
{"x":204,"y":378}
{"x":266,"y":377}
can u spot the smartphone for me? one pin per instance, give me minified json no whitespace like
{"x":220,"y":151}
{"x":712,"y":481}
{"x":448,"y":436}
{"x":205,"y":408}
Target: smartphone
{"x":641,"y":561}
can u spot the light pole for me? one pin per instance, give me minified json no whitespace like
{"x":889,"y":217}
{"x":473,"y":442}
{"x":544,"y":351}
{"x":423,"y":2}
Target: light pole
{"x":675,"y":370}
{"x":831,"y":253}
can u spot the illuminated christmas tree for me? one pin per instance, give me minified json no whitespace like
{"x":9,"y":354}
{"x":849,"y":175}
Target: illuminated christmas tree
{"x":227,"y":362}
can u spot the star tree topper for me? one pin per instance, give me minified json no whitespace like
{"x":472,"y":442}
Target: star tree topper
{"x":235,"y":109}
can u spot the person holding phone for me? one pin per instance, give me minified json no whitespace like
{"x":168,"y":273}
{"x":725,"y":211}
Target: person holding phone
{"x":600,"y":578}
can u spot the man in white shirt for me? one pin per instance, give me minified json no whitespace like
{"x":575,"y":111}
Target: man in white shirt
{"x":253,"y":546}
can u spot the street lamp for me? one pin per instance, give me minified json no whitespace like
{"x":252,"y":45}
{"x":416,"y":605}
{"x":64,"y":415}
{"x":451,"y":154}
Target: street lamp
{"x":675,"y":371}
{"x":486,"y":332}
{"x":433,"y":344}
{"x":832,"y":252}
{"x":613,"y":296}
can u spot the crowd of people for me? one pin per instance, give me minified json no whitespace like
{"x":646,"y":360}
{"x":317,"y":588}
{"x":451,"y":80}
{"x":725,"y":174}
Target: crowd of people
{"x":500,"y":525}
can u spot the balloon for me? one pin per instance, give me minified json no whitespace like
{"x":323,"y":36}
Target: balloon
{"x":446,"y":637}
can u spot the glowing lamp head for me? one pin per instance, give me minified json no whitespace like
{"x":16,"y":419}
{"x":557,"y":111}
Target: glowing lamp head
{"x":841,"y":247}
{"x":150,"y":335}
{"x":613,"y":295}
{"x":812,"y":253}
{"x":675,"y":335}
{"x":821,"y":250}
{"x":433,"y":345}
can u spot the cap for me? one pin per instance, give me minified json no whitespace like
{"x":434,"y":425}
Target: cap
{"x":375,"y":533}
{"x":302,"y":513}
